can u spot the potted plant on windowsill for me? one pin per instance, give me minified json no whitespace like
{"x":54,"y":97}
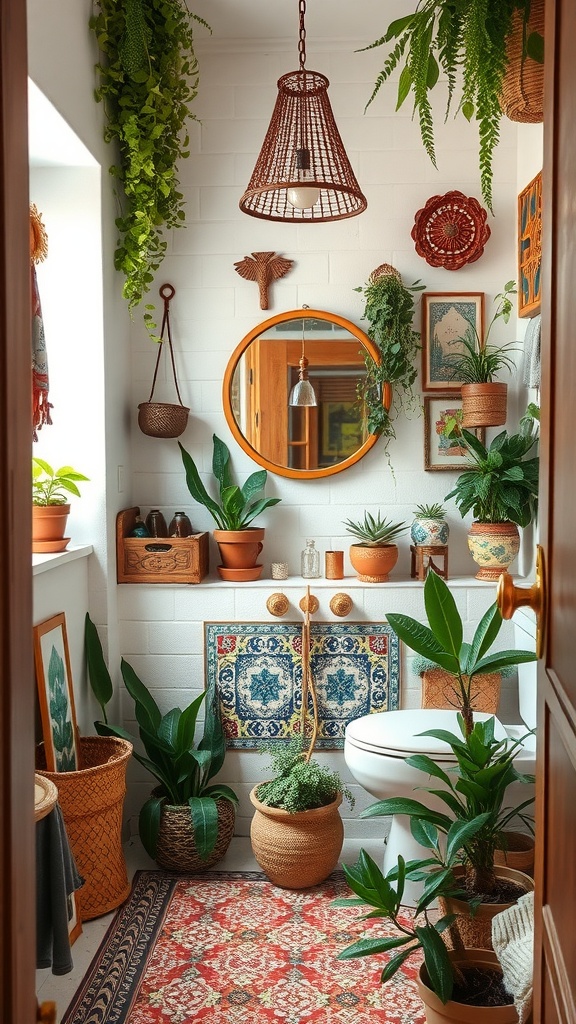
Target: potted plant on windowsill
{"x":238,"y":542}
{"x":500,"y":488}
{"x":50,"y":507}
{"x":375,"y":555}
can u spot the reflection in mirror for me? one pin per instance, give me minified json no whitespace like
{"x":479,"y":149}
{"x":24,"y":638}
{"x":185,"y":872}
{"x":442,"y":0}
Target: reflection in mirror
{"x":300,"y":440}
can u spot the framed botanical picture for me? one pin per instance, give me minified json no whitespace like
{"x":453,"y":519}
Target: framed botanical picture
{"x":442,"y":452}
{"x":530,"y":247}
{"x":445,"y":318}
{"x":56,"y":694}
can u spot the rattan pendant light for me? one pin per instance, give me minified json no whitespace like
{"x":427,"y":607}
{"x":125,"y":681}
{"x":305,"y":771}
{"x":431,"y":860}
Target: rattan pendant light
{"x":302,"y":172}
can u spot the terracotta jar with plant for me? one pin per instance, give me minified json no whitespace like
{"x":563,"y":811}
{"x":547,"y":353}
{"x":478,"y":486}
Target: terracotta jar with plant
{"x":430,"y":528}
{"x":239,"y":543}
{"x":500,"y":488}
{"x":50,"y":505}
{"x":375,"y":554}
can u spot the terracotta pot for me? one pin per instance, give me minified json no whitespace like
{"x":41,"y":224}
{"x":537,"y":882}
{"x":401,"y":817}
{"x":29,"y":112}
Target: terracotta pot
{"x":438,"y":1012}
{"x":476,"y":930}
{"x":297,"y":850}
{"x":48,"y":527}
{"x":176,"y":848}
{"x":484,"y":405}
{"x":518,"y":853}
{"x":372,"y":564}
{"x":493,"y":547}
{"x":239,"y":549}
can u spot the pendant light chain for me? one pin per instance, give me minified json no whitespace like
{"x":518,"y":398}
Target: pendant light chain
{"x":302,"y":35}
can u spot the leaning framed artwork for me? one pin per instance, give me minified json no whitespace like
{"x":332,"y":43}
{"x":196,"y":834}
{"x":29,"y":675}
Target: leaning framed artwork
{"x":56,"y":694}
{"x":443,"y":453}
{"x":446,"y":316}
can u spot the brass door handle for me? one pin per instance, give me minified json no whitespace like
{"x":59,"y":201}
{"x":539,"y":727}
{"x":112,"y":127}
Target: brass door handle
{"x":509,"y":598}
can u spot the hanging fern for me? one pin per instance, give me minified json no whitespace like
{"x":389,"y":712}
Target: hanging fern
{"x":465,"y":41}
{"x":148,"y":81}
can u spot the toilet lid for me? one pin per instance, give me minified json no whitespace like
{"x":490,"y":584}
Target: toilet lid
{"x":395,"y":733}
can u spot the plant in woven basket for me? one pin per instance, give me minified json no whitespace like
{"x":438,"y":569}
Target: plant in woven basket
{"x":389,"y":310}
{"x":465,"y":44}
{"x":299,"y":784}
{"x":183,"y":769}
{"x":482,"y":361}
{"x":501,"y":483}
{"x":148,"y":82}
{"x":374,"y":532}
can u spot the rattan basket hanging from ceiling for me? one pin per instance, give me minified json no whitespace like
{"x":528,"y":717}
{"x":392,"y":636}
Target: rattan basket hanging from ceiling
{"x":451,"y":230}
{"x":522,"y":96}
{"x":164,"y":419}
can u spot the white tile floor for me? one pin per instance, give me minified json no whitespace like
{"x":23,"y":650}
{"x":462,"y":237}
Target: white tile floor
{"x":238,"y":858}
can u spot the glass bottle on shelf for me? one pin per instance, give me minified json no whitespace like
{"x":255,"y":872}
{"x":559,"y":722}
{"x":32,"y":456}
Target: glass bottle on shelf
{"x":139,"y":529}
{"x":156,"y":523}
{"x":180,"y":526}
{"x":310,"y":561}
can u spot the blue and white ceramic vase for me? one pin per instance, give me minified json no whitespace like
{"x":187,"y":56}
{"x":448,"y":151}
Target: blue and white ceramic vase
{"x":429,"y":532}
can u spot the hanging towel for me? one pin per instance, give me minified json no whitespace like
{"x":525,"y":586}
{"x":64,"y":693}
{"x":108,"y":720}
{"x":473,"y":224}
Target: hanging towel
{"x":513,"y":941}
{"x":532,"y":353}
{"x":38,"y":252}
{"x":56,"y":879}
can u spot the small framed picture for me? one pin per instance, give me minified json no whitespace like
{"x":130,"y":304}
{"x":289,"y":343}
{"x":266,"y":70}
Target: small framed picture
{"x":56,"y":694}
{"x":441,"y":412}
{"x":446,"y":316}
{"x":530,"y":247}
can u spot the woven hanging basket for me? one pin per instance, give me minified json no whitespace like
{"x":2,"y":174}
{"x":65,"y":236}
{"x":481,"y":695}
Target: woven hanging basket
{"x":176,"y":849}
{"x":163,"y":419}
{"x":522,"y":96}
{"x":91,"y":800}
{"x":484,"y":405}
{"x":440,"y":690}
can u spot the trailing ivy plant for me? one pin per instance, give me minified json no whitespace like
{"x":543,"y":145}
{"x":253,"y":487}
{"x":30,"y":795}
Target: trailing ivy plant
{"x":148,"y":82}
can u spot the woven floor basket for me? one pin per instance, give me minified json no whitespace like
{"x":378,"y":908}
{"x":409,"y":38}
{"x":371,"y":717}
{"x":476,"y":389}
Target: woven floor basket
{"x":298,"y":850}
{"x":440,"y":690}
{"x":476,"y":932}
{"x":91,"y":801}
{"x":518,"y":853}
{"x":523,"y":86}
{"x":176,"y":849}
{"x":160,"y":419}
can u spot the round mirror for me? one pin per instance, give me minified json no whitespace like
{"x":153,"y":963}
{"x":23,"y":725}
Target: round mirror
{"x":290,"y":429}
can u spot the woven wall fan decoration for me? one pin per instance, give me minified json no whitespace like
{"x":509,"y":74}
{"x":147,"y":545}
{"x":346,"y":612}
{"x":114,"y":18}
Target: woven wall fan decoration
{"x":451,"y":230}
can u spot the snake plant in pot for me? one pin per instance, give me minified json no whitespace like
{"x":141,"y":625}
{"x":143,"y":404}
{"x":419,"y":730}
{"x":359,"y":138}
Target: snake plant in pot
{"x":238,"y":542}
{"x":187,"y":823}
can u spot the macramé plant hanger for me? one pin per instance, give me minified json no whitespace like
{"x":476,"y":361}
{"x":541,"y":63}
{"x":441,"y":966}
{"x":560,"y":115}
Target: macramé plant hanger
{"x":162,"y":419}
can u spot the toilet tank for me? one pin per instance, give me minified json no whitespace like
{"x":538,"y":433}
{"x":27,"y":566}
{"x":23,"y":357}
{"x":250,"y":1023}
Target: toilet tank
{"x":525,"y":639}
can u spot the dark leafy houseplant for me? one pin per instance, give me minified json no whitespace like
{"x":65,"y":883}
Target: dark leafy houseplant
{"x":238,"y":506}
{"x":481,"y":361}
{"x":299,"y":783}
{"x":182,"y":769}
{"x":464,"y":42}
{"x":148,"y":82}
{"x":501,"y":484}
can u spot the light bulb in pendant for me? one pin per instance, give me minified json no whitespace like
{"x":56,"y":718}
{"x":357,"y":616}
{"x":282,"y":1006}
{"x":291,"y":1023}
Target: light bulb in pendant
{"x":303,"y":197}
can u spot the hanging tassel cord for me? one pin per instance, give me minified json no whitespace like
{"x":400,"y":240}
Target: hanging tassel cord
{"x":167,"y":292}
{"x":308,"y":685}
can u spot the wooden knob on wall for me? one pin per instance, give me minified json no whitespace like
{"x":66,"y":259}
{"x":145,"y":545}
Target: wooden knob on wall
{"x":277,"y":604}
{"x":309,"y":604}
{"x":341,"y":605}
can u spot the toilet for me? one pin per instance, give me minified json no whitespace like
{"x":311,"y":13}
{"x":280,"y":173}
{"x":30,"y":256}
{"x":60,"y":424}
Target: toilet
{"x":376,"y":747}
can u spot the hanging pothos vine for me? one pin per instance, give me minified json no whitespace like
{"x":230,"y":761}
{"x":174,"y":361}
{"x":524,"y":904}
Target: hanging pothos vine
{"x":148,"y":81}
{"x":389,"y":310}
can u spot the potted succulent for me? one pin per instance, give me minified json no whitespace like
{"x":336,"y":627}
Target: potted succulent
{"x":500,"y":488}
{"x":375,"y":554}
{"x":238,"y":542}
{"x":484,"y":400}
{"x":430,"y":528}
{"x":471,"y":48}
{"x":297,"y":831}
{"x":50,"y":506}
{"x":186,"y":824}
{"x":389,"y":310}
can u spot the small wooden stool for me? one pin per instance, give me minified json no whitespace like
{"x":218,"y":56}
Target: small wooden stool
{"x":421,"y":560}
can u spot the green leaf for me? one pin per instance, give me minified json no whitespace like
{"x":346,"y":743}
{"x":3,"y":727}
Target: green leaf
{"x":396,"y":28}
{"x":486,"y":632}
{"x":467,"y":109}
{"x":221,"y":463}
{"x":221,"y":792}
{"x":422,"y":640}
{"x":443,"y":616}
{"x":98,"y":673}
{"x":197,"y":488}
{"x":142,"y":698}
{"x":368,"y":947}
{"x":204,"y":815}
{"x":425,"y":764}
{"x":535,"y":47}
{"x":437,"y":961}
{"x":405,"y":805}
{"x":404,"y":86}
{"x":424,"y":833}
{"x":504,"y":659}
{"x":460,"y":832}
{"x":395,"y":963}
{"x":149,"y":824}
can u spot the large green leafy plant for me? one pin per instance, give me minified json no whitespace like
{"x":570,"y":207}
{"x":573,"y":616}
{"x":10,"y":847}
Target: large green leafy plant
{"x":299,"y":784}
{"x":463,"y":42}
{"x":182,"y":769}
{"x":238,"y":506}
{"x":501,"y":483}
{"x":481,"y":361}
{"x":52,"y":486}
{"x":148,"y":82}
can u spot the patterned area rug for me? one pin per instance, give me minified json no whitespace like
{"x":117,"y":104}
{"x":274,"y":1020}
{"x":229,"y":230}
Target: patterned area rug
{"x":231,"y":948}
{"x":256,"y":668}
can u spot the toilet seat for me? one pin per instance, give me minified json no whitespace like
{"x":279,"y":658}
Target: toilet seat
{"x":395,"y":733}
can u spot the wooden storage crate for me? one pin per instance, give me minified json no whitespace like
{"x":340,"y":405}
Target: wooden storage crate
{"x":158,"y":559}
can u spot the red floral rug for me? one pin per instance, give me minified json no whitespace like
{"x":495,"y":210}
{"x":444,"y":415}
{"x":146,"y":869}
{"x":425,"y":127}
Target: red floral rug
{"x":231,"y":948}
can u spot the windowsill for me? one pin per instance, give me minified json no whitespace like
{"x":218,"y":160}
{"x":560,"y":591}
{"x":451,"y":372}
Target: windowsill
{"x":349,"y":582}
{"x":42,"y":563}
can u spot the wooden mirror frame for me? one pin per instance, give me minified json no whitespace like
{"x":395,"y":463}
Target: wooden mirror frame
{"x":297,"y":314}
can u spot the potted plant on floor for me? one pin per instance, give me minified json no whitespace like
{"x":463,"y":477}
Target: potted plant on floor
{"x":389,"y":310}
{"x":50,"y":506}
{"x":375,"y":554}
{"x":186,"y":824}
{"x":430,"y":528}
{"x":238,"y":542}
{"x":297,"y":831}
{"x":500,"y":488}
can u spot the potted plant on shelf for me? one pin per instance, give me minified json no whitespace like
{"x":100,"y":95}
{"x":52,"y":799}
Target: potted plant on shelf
{"x":389,"y":310}
{"x":50,"y":507}
{"x":472,"y":48}
{"x":238,"y":542}
{"x":186,"y":824}
{"x":484,"y":400}
{"x":376,"y":554}
{"x":297,"y":831}
{"x":430,"y":528}
{"x":500,"y":488}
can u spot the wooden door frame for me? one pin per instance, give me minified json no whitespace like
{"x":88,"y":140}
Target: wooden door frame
{"x":17,"y":842}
